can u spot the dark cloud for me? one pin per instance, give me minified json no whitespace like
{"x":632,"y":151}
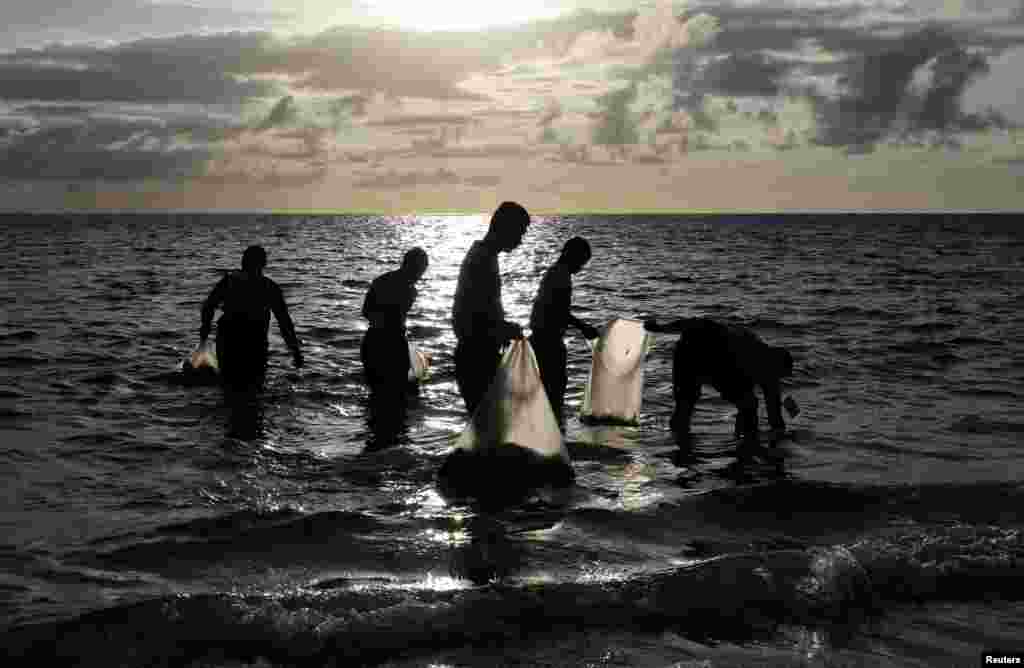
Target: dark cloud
{"x":744,"y":74}
{"x":951,"y":72}
{"x":894,"y":76}
{"x":202,"y":70}
{"x":847,"y":31}
{"x":431,"y":64}
{"x":182,"y":69}
{"x":885,"y":92}
{"x":54,"y":110}
{"x":144,"y":83}
{"x":204,"y":67}
{"x":748,"y":28}
{"x":34,"y":23}
{"x":877,"y":84}
{"x":220,"y":68}
{"x":108,"y":143}
{"x":882,"y":85}
{"x":82,"y":153}
{"x":737,"y":61}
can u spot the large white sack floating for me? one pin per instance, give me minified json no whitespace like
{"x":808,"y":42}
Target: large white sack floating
{"x":515,"y":409}
{"x":615,"y":386}
{"x":419,"y":362}
{"x":513,"y":441}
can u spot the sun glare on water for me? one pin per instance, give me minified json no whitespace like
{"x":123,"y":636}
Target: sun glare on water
{"x":457,"y":14}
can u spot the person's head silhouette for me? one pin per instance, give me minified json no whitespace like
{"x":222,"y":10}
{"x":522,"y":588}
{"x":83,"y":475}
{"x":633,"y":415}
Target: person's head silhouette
{"x":415,"y":263}
{"x":575,"y":254}
{"x":508,"y":225}
{"x":254,"y":259}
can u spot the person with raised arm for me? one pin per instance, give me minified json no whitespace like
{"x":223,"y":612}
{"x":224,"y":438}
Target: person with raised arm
{"x":551,"y":317}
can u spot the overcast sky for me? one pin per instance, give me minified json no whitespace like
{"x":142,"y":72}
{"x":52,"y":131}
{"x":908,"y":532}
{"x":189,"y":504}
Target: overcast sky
{"x":200,"y":103}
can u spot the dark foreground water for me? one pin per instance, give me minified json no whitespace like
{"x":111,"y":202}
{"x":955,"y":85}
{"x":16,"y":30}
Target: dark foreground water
{"x":145,"y":522}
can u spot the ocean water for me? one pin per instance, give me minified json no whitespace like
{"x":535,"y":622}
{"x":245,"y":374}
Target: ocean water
{"x":146,"y":522}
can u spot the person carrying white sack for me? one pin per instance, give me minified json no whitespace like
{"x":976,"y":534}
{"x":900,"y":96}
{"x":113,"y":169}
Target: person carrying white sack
{"x":477,"y":314}
{"x":247,"y":298}
{"x":550,"y":318}
{"x":385,"y":348}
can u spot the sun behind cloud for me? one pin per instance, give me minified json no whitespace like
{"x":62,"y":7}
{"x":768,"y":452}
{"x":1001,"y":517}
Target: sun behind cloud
{"x":458,"y":15}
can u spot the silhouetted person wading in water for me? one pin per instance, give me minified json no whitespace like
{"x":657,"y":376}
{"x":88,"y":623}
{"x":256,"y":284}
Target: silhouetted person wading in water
{"x":550,"y":318}
{"x":385,"y":348}
{"x":734,"y":361}
{"x":247,"y":298}
{"x":477,"y":315}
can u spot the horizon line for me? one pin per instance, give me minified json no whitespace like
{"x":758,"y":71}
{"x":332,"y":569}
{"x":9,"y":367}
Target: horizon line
{"x":476,"y":212}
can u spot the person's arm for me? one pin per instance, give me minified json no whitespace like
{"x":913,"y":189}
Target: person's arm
{"x":410,"y":299}
{"x":213,"y":300}
{"x":368,"y":303}
{"x":372,"y":307}
{"x":677,"y":326}
{"x":551,"y":307}
{"x":505,"y":330}
{"x":773,"y":404}
{"x":285,"y":325}
{"x":588,"y":331}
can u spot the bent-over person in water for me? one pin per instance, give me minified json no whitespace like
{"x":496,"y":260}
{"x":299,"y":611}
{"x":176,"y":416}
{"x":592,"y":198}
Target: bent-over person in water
{"x":477,"y":315}
{"x":551,"y":317}
{"x":247,"y":298}
{"x":731,"y":359}
{"x":385,"y":348}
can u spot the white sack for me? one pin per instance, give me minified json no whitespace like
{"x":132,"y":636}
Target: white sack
{"x":615,"y":387}
{"x":515,"y":410}
{"x":203,"y":358}
{"x":418,"y":363}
